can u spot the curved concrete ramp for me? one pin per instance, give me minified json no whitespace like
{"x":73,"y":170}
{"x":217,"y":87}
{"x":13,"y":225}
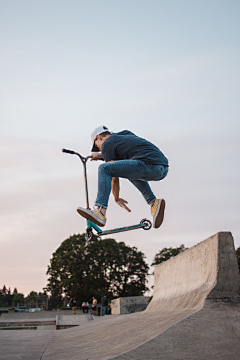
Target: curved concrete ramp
{"x":208,"y":271}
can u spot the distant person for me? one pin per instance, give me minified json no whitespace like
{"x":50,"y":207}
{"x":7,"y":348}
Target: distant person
{"x":94,"y":305}
{"x":73,"y":303}
{"x":85,"y":306}
{"x":104,"y":303}
{"x":128,"y":156}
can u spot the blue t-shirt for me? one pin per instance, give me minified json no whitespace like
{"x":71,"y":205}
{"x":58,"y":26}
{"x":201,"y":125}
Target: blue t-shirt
{"x":126,"y":145}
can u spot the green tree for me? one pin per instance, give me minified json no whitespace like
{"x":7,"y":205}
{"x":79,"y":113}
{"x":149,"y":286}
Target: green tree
{"x":85,"y":269}
{"x":238,"y":257}
{"x":4,"y":290}
{"x":17,"y":299}
{"x":6,"y":297}
{"x":166,"y":253}
{"x":1,"y":297}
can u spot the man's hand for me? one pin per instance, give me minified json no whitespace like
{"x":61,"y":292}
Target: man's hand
{"x":123,"y":203}
{"x":96,"y":156}
{"x":115,"y":191}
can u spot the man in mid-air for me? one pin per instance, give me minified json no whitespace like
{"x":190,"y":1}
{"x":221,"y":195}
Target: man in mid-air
{"x":126,"y":156}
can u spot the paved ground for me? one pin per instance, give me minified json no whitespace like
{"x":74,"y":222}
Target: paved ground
{"x":188,"y":318}
{"x":23,"y":344}
{"x":211,"y":334}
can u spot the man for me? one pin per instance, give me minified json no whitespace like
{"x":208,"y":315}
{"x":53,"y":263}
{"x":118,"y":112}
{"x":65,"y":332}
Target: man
{"x":85,"y":306}
{"x":126,"y":156}
{"x":73,"y":303}
{"x":94,"y":305}
{"x":104,"y":303}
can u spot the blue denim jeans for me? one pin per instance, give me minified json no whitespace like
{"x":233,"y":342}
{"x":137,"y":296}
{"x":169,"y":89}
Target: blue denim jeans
{"x":104,"y":308}
{"x":135,"y":171}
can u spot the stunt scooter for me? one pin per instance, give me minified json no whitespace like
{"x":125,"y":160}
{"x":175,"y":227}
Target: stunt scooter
{"x":144,"y":224}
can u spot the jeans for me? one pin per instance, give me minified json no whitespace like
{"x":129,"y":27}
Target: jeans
{"x":135,"y":171}
{"x":104,"y":310}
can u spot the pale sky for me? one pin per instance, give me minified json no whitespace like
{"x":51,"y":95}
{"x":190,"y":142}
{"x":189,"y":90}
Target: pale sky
{"x":166,"y":70}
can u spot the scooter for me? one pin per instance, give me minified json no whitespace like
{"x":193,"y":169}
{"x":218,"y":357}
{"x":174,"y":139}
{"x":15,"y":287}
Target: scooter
{"x":144,"y":224}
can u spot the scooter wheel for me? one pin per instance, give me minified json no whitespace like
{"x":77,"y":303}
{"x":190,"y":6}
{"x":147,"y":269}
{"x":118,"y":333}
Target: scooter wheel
{"x":88,"y":234}
{"x":147,"y":224}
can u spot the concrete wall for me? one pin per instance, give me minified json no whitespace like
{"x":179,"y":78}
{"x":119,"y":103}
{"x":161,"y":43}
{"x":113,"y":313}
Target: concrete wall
{"x":128,"y":305}
{"x":227,"y":284}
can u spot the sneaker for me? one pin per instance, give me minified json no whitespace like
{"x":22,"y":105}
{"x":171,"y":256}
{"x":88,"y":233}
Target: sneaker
{"x":93,"y":215}
{"x":157,"y":210}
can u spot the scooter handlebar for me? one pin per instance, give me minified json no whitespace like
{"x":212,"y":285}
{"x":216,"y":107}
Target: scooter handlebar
{"x":75,"y":153}
{"x":68,"y":151}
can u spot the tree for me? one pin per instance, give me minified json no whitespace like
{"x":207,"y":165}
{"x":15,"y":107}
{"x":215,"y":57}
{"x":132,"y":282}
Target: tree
{"x":238,"y":257}
{"x":166,"y":253}
{"x":18,"y":299}
{"x":4,"y":290}
{"x":6,"y":297}
{"x":85,"y":269}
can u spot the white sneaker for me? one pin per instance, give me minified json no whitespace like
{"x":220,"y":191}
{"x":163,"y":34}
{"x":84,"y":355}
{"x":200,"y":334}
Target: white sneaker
{"x":93,"y":215}
{"x":157,"y":210}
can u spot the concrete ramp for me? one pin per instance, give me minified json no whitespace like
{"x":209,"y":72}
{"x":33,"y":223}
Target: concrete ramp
{"x":208,"y":270}
{"x":200,"y":278}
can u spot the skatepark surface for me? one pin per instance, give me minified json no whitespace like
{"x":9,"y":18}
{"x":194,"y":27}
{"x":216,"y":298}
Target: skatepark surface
{"x":194,"y":314}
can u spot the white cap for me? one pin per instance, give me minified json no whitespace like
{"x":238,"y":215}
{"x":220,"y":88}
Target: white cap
{"x":98,"y":131}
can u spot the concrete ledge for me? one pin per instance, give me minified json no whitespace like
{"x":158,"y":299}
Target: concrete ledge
{"x":129,"y":305}
{"x":66,"y":321}
{"x":19,"y":328}
{"x":27,"y":323}
{"x":46,"y":324}
{"x":38,"y":315}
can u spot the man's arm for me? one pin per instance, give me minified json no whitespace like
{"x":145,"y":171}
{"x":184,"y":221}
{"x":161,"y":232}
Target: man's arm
{"x":115,"y":188}
{"x":96,"y":156}
{"x":115,"y":191}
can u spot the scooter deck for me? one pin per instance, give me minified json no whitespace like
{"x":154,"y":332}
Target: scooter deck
{"x":143,"y":224}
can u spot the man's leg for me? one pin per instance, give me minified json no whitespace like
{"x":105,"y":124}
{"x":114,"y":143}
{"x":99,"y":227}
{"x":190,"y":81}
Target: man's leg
{"x":144,"y":188}
{"x":157,"y":205}
{"x":104,"y":190}
{"x":136,"y":171}
{"x":129,"y":169}
{"x":103,"y":310}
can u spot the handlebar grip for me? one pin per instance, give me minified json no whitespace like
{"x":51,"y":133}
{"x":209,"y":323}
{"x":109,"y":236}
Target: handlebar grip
{"x":68,"y":151}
